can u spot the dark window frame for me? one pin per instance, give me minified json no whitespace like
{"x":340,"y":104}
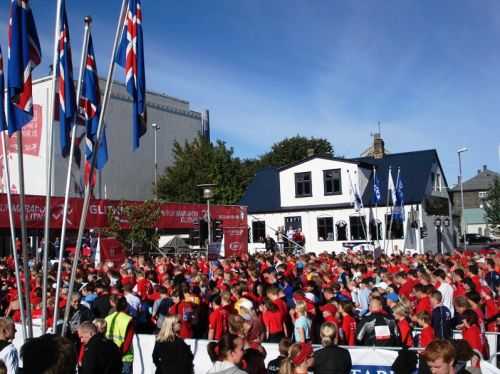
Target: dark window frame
{"x":397,"y":228}
{"x":324,"y":227}
{"x":301,"y":183}
{"x":259,"y":230}
{"x":332,"y":180}
{"x":358,"y":231}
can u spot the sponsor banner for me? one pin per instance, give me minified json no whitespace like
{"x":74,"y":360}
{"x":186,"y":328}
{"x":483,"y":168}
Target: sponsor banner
{"x":32,"y":135}
{"x":173,"y":215}
{"x":235,"y":241}
{"x":111,"y":251}
{"x":365,"y":360}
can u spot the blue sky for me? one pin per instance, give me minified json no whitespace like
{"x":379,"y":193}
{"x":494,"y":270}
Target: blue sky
{"x":428,"y":70}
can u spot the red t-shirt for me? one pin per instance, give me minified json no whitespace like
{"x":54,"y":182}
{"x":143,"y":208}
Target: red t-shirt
{"x":184,"y":310}
{"x":349,"y":328}
{"x":273,"y":321}
{"x":217,"y":321}
{"x":424,"y":305}
{"x":405,"y":332}
{"x":472,"y":335}
{"x":283,"y":308}
{"x":406,"y":288}
{"x":426,"y":336}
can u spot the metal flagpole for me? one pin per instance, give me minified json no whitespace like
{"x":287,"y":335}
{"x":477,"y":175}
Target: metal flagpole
{"x":13,"y":236}
{"x":100,"y":128}
{"x":387,"y":232}
{"x":376,"y":206}
{"x":83,"y":61}
{"x":49,"y":152}
{"x":392,"y":214}
{"x":24,"y":238}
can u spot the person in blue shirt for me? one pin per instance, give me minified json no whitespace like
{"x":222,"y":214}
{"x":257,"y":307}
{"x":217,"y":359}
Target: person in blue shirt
{"x":441,"y":317}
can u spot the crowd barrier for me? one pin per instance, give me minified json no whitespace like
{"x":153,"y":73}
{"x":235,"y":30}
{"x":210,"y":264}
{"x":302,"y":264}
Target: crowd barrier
{"x":366,"y":360}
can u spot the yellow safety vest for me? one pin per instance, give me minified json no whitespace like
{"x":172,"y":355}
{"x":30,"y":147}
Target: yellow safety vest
{"x":116,"y":330}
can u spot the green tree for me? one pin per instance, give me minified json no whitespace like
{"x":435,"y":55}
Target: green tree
{"x":293,"y":149}
{"x":201,"y":162}
{"x":492,"y":206}
{"x":140,"y":231}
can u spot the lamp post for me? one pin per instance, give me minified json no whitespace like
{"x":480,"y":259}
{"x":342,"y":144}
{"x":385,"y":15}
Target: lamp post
{"x":208,"y":193}
{"x":462,"y":216}
{"x":437,"y":224}
{"x":156,"y":127}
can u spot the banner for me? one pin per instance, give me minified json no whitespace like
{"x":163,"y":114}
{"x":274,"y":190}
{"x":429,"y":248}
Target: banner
{"x":110,"y":250}
{"x":235,"y":241}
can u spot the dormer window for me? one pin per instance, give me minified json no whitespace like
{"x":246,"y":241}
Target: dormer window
{"x":303,"y":186}
{"x":332,"y":182}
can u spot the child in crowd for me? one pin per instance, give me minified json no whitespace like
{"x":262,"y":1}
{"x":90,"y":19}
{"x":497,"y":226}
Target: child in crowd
{"x":302,"y":324}
{"x":427,"y":333}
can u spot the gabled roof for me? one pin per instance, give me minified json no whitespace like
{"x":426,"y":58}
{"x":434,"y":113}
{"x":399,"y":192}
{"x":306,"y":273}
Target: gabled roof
{"x":263,"y":193}
{"x":480,"y":182}
{"x":324,"y":157}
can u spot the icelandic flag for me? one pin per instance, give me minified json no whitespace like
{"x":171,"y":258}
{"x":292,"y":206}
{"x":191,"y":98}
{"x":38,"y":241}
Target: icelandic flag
{"x":65,"y":86}
{"x":3,"y":122}
{"x":391,"y":189}
{"x":23,"y":56}
{"x":399,"y":209}
{"x":377,"y":195}
{"x":90,"y":109}
{"x":130,"y":56}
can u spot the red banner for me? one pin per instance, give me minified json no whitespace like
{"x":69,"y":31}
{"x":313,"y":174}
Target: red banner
{"x":32,"y":135}
{"x":173,"y":215}
{"x":112,"y":251}
{"x":235,"y":241}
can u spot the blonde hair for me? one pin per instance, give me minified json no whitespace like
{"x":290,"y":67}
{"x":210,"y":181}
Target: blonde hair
{"x":168,"y":332}
{"x":287,"y":366}
{"x":101,"y":325}
{"x":5,"y":325}
{"x":328,"y":334}
{"x":301,"y":307}
{"x":400,"y":310}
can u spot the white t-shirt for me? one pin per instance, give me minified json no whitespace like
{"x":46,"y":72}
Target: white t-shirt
{"x":447,"y":292}
{"x":9,"y":356}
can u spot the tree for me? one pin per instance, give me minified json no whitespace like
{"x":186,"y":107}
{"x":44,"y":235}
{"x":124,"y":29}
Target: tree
{"x":201,"y":162}
{"x":492,"y":206}
{"x":293,"y":149}
{"x":141,"y":219}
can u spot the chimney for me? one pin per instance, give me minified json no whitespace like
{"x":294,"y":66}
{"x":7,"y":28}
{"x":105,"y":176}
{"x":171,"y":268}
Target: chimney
{"x":378,"y":146}
{"x":310,"y":152}
{"x":484,"y":167}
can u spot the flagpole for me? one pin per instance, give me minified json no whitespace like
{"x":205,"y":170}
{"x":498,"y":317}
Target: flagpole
{"x":392,"y":215}
{"x":358,"y":195}
{"x":87,"y":21}
{"x":13,"y":236}
{"x":49,"y":152}
{"x":388,"y":232}
{"x":24,"y":238}
{"x":100,"y":128}
{"x":376,"y":206}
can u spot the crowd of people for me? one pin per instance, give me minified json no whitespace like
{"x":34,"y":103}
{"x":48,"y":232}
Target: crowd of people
{"x":350,"y":299}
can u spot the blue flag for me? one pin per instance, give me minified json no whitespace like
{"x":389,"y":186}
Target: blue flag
{"x":3,"y":122}
{"x":65,"y":86}
{"x":90,"y":109}
{"x":130,"y":56}
{"x":24,"y":55}
{"x":377,"y":195}
{"x":398,"y":211}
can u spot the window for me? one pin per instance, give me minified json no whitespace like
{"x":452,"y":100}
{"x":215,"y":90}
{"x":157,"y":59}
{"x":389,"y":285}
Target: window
{"x":303,"y":184}
{"x":258,"y":231}
{"x":294,"y":223}
{"x":332,"y":182}
{"x":483,"y":194}
{"x":396,"y":228}
{"x":358,"y":227}
{"x":375,"y":230}
{"x":341,"y":227}
{"x":325,"y":228}
{"x":433,"y":181}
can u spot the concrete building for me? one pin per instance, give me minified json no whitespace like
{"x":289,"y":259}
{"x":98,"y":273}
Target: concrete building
{"x":316,"y":195}
{"x":475,"y":192}
{"x":127,"y":175}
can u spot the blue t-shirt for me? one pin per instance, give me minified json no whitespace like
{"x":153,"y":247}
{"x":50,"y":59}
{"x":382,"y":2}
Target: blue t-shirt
{"x":302,"y":323}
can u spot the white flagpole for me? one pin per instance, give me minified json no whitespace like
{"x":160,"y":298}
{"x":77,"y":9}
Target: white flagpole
{"x":49,"y":154}
{"x":392,"y":214}
{"x":387,"y":232}
{"x":376,"y":206}
{"x":100,"y":128}
{"x":83,"y":61}
{"x":24,"y":237}
{"x":13,"y":236}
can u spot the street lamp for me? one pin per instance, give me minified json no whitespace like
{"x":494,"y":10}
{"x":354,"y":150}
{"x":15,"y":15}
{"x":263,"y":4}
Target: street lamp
{"x":462,"y":216}
{"x":437,"y":224}
{"x":156,"y":127}
{"x":208,"y":193}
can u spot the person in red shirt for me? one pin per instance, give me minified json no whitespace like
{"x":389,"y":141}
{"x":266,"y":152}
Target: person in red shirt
{"x":273,"y":322}
{"x":423,"y":300}
{"x":427,"y":333}
{"x":273,"y":293}
{"x":405,"y":331}
{"x":217,"y":320}
{"x":183,"y":309}
{"x":348,"y":323}
{"x":471,"y":332}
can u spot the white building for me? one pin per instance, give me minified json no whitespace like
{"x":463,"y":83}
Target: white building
{"x":315,"y":194}
{"x":127,"y":175}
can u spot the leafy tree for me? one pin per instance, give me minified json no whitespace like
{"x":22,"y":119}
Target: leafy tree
{"x":492,"y":206}
{"x":141,"y":220}
{"x":293,"y":149}
{"x":201,"y":162}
